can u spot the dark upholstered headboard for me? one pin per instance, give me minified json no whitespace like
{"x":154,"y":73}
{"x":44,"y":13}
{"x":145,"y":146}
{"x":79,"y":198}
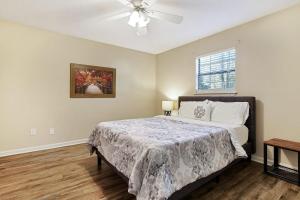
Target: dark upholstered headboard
{"x":251,"y":121}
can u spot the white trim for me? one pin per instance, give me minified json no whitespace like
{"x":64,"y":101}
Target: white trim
{"x":260,"y":159}
{"x":42,"y":147}
{"x":255,"y":158}
{"x":208,"y":53}
{"x":216,"y":91}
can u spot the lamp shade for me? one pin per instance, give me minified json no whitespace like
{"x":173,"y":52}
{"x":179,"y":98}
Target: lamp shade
{"x":167,"y":105}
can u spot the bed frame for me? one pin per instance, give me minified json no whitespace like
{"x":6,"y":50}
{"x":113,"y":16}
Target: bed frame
{"x":250,"y":146}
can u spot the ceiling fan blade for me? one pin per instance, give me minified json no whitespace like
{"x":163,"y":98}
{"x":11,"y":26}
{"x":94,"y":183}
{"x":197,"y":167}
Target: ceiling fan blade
{"x":127,"y":3}
{"x":165,"y":16}
{"x":148,"y":3}
{"x":115,"y":15}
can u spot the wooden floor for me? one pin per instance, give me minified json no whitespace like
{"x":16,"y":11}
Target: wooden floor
{"x":70,"y":173}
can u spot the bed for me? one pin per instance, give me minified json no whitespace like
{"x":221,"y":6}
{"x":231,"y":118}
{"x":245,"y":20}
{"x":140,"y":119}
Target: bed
{"x":168,"y":158}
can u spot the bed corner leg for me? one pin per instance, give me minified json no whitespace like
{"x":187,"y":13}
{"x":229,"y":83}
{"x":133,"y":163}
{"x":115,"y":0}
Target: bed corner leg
{"x":217,"y":179}
{"x":249,"y":158}
{"x":99,"y":161}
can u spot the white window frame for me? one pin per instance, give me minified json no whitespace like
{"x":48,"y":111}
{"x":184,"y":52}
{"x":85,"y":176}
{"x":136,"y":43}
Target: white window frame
{"x":214,"y":91}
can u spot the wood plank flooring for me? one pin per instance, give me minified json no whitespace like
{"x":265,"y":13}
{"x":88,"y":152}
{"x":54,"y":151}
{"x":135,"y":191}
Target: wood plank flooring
{"x":70,"y":173}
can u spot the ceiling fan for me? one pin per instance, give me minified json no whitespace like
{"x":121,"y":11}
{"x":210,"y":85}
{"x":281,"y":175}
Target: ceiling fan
{"x":140,"y":14}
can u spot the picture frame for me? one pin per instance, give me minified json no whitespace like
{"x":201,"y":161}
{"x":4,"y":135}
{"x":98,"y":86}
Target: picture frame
{"x":88,"y":81}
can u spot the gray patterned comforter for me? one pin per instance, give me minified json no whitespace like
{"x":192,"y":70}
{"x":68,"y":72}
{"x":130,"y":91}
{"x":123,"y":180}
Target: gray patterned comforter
{"x":162,"y":155}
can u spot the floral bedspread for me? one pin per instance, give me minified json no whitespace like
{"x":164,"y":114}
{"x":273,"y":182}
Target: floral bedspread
{"x":161,"y":155}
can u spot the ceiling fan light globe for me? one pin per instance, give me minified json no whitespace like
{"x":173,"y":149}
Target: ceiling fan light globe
{"x":134,"y":19}
{"x":143,"y":22}
{"x":131,"y":23}
{"x":141,"y":31}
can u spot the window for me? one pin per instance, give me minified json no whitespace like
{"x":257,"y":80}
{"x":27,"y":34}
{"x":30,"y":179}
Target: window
{"x":216,"y":72}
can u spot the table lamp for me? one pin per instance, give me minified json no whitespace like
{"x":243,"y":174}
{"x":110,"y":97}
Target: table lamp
{"x":167,"y":107}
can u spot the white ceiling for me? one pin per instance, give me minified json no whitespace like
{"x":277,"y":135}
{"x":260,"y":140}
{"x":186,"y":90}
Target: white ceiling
{"x":81,"y":18}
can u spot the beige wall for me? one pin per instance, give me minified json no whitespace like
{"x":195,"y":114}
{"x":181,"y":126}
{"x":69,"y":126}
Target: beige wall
{"x":34,"y":80}
{"x":268,"y":67}
{"x":34,"y":86}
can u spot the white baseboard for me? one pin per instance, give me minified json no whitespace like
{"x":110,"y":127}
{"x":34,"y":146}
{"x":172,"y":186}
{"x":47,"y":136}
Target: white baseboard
{"x":260,"y":159}
{"x":42,"y":147}
{"x":255,"y":158}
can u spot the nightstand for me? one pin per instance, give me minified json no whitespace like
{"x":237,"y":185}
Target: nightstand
{"x":287,"y":174}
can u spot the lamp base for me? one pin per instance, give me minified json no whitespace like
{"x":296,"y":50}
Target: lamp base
{"x":167,"y":113}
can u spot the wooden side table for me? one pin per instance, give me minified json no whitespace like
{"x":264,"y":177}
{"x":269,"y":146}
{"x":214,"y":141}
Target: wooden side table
{"x":287,"y":174}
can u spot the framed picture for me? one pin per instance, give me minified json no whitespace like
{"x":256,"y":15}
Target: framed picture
{"x":92,"y":82}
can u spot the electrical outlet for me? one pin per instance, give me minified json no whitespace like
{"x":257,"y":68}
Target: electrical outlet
{"x":33,"y":131}
{"x":51,"y":131}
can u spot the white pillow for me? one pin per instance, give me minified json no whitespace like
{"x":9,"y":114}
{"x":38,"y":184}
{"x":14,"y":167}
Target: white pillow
{"x":199,"y":110}
{"x":174,"y":113}
{"x":231,"y":112}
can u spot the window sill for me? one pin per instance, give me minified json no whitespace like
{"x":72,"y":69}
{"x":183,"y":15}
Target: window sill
{"x":232,"y":92}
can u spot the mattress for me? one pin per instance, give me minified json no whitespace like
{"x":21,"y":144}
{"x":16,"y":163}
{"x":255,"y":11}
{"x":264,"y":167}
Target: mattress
{"x":239,"y":132}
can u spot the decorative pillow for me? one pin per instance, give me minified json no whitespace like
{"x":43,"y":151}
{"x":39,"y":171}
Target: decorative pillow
{"x":199,"y":110}
{"x":231,"y":112}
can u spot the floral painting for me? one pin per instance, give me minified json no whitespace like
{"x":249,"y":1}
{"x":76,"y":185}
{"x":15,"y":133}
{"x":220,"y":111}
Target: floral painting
{"x":92,"y":82}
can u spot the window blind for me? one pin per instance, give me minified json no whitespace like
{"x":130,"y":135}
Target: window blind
{"x":216,"y":71}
